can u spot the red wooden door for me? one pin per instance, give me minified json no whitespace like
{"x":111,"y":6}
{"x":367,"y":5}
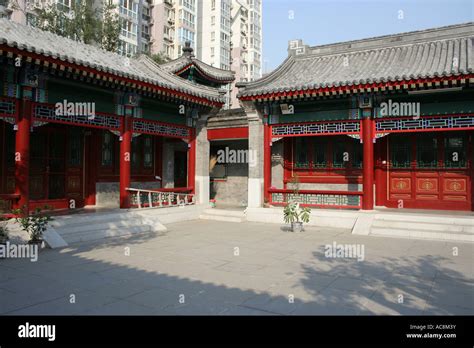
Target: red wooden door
{"x":428,"y":171}
{"x":56,"y":167}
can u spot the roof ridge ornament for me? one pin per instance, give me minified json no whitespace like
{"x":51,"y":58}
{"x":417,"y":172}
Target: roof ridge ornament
{"x":296,"y":47}
{"x":188,"y":50}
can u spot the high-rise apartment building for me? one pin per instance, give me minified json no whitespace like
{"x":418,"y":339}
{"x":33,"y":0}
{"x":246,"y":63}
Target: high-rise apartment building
{"x":174,"y":23}
{"x":164,"y":27}
{"x":136,"y":22}
{"x":230,"y":37}
{"x":247,"y":43}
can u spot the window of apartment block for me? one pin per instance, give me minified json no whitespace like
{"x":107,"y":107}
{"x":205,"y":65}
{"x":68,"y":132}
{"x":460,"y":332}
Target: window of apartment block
{"x":213,"y":35}
{"x":213,"y":5}
{"x":186,"y":35}
{"x":213,"y":20}
{"x":129,"y":8}
{"x":212,"y":51}
{"x":187,"y":18}
{"x":189,"y":4}
{"x":225,"y":23}
{"x":224,"y":39}
{"x":129,"y":29}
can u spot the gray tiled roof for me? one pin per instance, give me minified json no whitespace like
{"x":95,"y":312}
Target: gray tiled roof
{"x":140,"y":69}
{"x":444,"y":51}
{"x":225,"y":76}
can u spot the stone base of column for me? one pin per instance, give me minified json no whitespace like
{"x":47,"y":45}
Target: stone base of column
{"x":203,"y":189}
{"x":255,"y":195}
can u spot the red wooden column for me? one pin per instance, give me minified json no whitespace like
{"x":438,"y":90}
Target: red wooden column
{"x":267,"y":161}
{"x":22,"y":153}
{"x":368,"y":164}
{"x":125,"y":158}
{"x":192,"y":161}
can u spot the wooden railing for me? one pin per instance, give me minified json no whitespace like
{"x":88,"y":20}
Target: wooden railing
{"x":317,"y":198}
{"x":172,"y":197}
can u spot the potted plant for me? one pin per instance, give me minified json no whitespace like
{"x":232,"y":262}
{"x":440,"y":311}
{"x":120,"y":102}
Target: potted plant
{"x":296,"y":215}
{"x":212,"y":203}
{"x":35,"y":224}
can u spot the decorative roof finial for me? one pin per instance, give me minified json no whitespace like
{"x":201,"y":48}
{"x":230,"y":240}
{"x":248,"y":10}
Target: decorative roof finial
{"x":187,"y":49}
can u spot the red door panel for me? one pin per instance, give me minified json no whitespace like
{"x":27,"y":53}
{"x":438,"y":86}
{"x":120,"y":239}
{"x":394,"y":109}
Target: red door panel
{"x":424,"y":188}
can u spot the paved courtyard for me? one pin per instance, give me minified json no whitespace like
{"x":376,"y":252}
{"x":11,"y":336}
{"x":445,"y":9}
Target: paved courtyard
{"x":207,"y":267}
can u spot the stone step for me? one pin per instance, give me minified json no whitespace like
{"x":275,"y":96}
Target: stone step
{"x":80,"y":219}
{"x":423,"y":226}
{"x":445,"y":220}
{"x":104,"y":233}
{"x":224,"y":212}
{"x":220,"y":218}
{"x":99,"y":225}
{"x":422,"y":234}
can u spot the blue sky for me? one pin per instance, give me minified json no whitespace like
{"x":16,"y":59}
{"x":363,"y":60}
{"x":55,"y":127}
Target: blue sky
{"x":320,"y":22}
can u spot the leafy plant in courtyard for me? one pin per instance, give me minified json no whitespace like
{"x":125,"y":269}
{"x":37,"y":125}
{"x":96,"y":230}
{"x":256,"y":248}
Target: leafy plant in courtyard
{"x":35,"y":224}
{"x":3,"y":231}
{"x":293,"y":212}
{"x":295,"y":184}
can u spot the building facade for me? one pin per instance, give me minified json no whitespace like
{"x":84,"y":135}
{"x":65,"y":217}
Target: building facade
{"x":247,"y":43}
{"x":164,"y":28}
{"x":230,"y":38}
{"x":82,"y":126}
{"x":136,"y":25}
{"x":386,"y":121}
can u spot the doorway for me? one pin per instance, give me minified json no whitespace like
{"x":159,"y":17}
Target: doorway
{"x":180,"y":169}
{"x":56,"y":166}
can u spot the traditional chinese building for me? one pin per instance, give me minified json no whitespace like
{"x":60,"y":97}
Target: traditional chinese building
{"x":385,"y":121}
{"x":379,"y":122}
{"x":82,"y":126}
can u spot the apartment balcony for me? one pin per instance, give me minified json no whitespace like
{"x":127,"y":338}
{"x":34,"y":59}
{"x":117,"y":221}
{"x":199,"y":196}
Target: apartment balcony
{"x":146,"y":17}
{"x":128,"y":14}
{"x":171,"y":21}
{"x":146,"y":36}
{"x":168,"y":38}
{"x":168,"y":2}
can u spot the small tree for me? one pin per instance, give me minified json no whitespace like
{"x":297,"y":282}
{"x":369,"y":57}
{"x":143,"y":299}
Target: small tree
{"x":110,"y":28}
{"x":294,"y":213}
{"x":295,"y":186}
{"x":3,"y":231}
{"x":83,"y":22}
{"x":159,"y":58}
{"x":34,"y":224}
